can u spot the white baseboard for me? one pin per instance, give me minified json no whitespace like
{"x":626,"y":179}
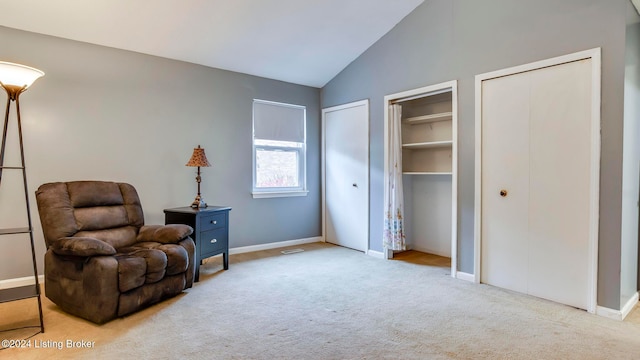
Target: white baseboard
{"x":274,"y":245}
{"x":465,"y":276}
{"x":375,"y":254}
{"x":618,"y":314}
{"x":17,"y":282}
{"x":631,"y":303}
{"x":609,"y":313}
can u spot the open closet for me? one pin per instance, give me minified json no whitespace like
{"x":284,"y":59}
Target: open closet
{"x":426,"y":119}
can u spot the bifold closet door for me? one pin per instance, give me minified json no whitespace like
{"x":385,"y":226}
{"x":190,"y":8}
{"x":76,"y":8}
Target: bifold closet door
{"x":536,"y":173}
{"x":505,"y":166}
{"x":346,"y":183}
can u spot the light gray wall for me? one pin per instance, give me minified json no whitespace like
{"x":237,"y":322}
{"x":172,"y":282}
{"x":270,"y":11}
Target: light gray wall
{"x":631,"y":162}
{"x":446,"y":40}
{"x":631,"y":166}
{"x":106,"y":114}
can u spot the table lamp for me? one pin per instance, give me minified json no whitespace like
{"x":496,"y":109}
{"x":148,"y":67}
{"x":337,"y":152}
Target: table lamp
{"x":198,"y":159}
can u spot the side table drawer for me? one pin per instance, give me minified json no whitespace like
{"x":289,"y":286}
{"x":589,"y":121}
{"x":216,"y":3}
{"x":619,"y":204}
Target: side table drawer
{"x":213,"y":222}
{"x":213,"y":241}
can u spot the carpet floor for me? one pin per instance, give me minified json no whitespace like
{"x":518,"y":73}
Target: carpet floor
{"x":330,"y":302}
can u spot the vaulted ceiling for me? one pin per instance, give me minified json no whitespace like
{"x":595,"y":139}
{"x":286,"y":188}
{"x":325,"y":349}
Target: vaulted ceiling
{"x":300,"y":41}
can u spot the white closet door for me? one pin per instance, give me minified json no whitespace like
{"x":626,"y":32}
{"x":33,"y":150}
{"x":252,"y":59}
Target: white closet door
{"x":346,"y":184}
{"x":505,"y":166}
{"x":560,"y":143}
{"x":536,"y":145}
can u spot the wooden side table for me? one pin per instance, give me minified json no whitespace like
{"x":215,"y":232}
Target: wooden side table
{"x":210,"y":231}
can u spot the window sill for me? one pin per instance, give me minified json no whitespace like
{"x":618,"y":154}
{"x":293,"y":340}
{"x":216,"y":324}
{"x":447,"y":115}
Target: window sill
{"x":273,"y":194}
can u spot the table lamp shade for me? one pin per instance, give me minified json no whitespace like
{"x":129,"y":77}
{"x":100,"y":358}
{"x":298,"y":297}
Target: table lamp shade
{"x":18,"y":75}
{"x":198,"y":158}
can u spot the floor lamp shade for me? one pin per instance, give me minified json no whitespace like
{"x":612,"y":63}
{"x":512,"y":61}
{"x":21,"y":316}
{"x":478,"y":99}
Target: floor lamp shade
{"x":16,"y":78}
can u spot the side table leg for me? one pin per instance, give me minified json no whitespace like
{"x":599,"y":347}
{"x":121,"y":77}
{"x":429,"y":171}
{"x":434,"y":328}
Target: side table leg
{"x":225,"y":260}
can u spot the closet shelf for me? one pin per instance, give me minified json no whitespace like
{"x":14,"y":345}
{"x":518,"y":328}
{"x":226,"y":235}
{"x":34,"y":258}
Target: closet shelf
{"x":428,"y":145}
{"x":427,"y":173}
{"x":428,"y":118}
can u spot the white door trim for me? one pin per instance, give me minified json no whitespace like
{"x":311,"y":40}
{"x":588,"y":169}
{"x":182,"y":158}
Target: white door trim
{"x":323,"y":167}
{"x":415,"y":94}
{"x":595,"y":56}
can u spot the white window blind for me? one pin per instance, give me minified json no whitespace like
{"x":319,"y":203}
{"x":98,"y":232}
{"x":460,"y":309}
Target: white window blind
{"x":279,"y":122}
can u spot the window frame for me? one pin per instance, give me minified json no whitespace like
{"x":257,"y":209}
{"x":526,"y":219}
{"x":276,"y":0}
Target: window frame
{"x":301,"y":190}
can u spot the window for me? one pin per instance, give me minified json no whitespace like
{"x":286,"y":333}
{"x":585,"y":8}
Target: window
{"x":279,"y":149}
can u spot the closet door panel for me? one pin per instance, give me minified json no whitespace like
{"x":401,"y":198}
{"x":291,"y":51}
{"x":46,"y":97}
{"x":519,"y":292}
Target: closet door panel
{"x":505,"y":166}
{"x":560,"y":129}
{"x":346,"y":156}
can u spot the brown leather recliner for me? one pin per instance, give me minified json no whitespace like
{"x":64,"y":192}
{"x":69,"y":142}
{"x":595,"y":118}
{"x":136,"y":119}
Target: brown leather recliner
{"x":102,"y":262}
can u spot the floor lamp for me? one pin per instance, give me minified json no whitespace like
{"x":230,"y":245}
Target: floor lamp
{"x":16,"y":79}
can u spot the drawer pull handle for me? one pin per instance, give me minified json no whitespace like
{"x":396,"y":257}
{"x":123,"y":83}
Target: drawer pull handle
{"x":213,"y":222}
{"x":214,"y":241}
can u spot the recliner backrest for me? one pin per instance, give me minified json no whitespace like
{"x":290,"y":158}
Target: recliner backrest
{"x":108,"y":211}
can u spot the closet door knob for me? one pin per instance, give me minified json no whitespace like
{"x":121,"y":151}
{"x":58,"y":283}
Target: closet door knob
{"x":354,"y":185}
{"x":503,"y":193}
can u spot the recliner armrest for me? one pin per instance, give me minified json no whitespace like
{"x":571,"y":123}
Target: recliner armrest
{"x":82,"y":246}
{"x":165,"y":234}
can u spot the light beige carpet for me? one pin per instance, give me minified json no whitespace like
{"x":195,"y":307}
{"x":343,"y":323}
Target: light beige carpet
{"x":332,"y":303}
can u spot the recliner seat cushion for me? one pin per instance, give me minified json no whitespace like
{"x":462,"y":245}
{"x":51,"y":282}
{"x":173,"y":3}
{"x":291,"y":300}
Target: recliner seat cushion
{"x":148,"y":262}
{"x":177,"y":256}
{"x":132,"y":271}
